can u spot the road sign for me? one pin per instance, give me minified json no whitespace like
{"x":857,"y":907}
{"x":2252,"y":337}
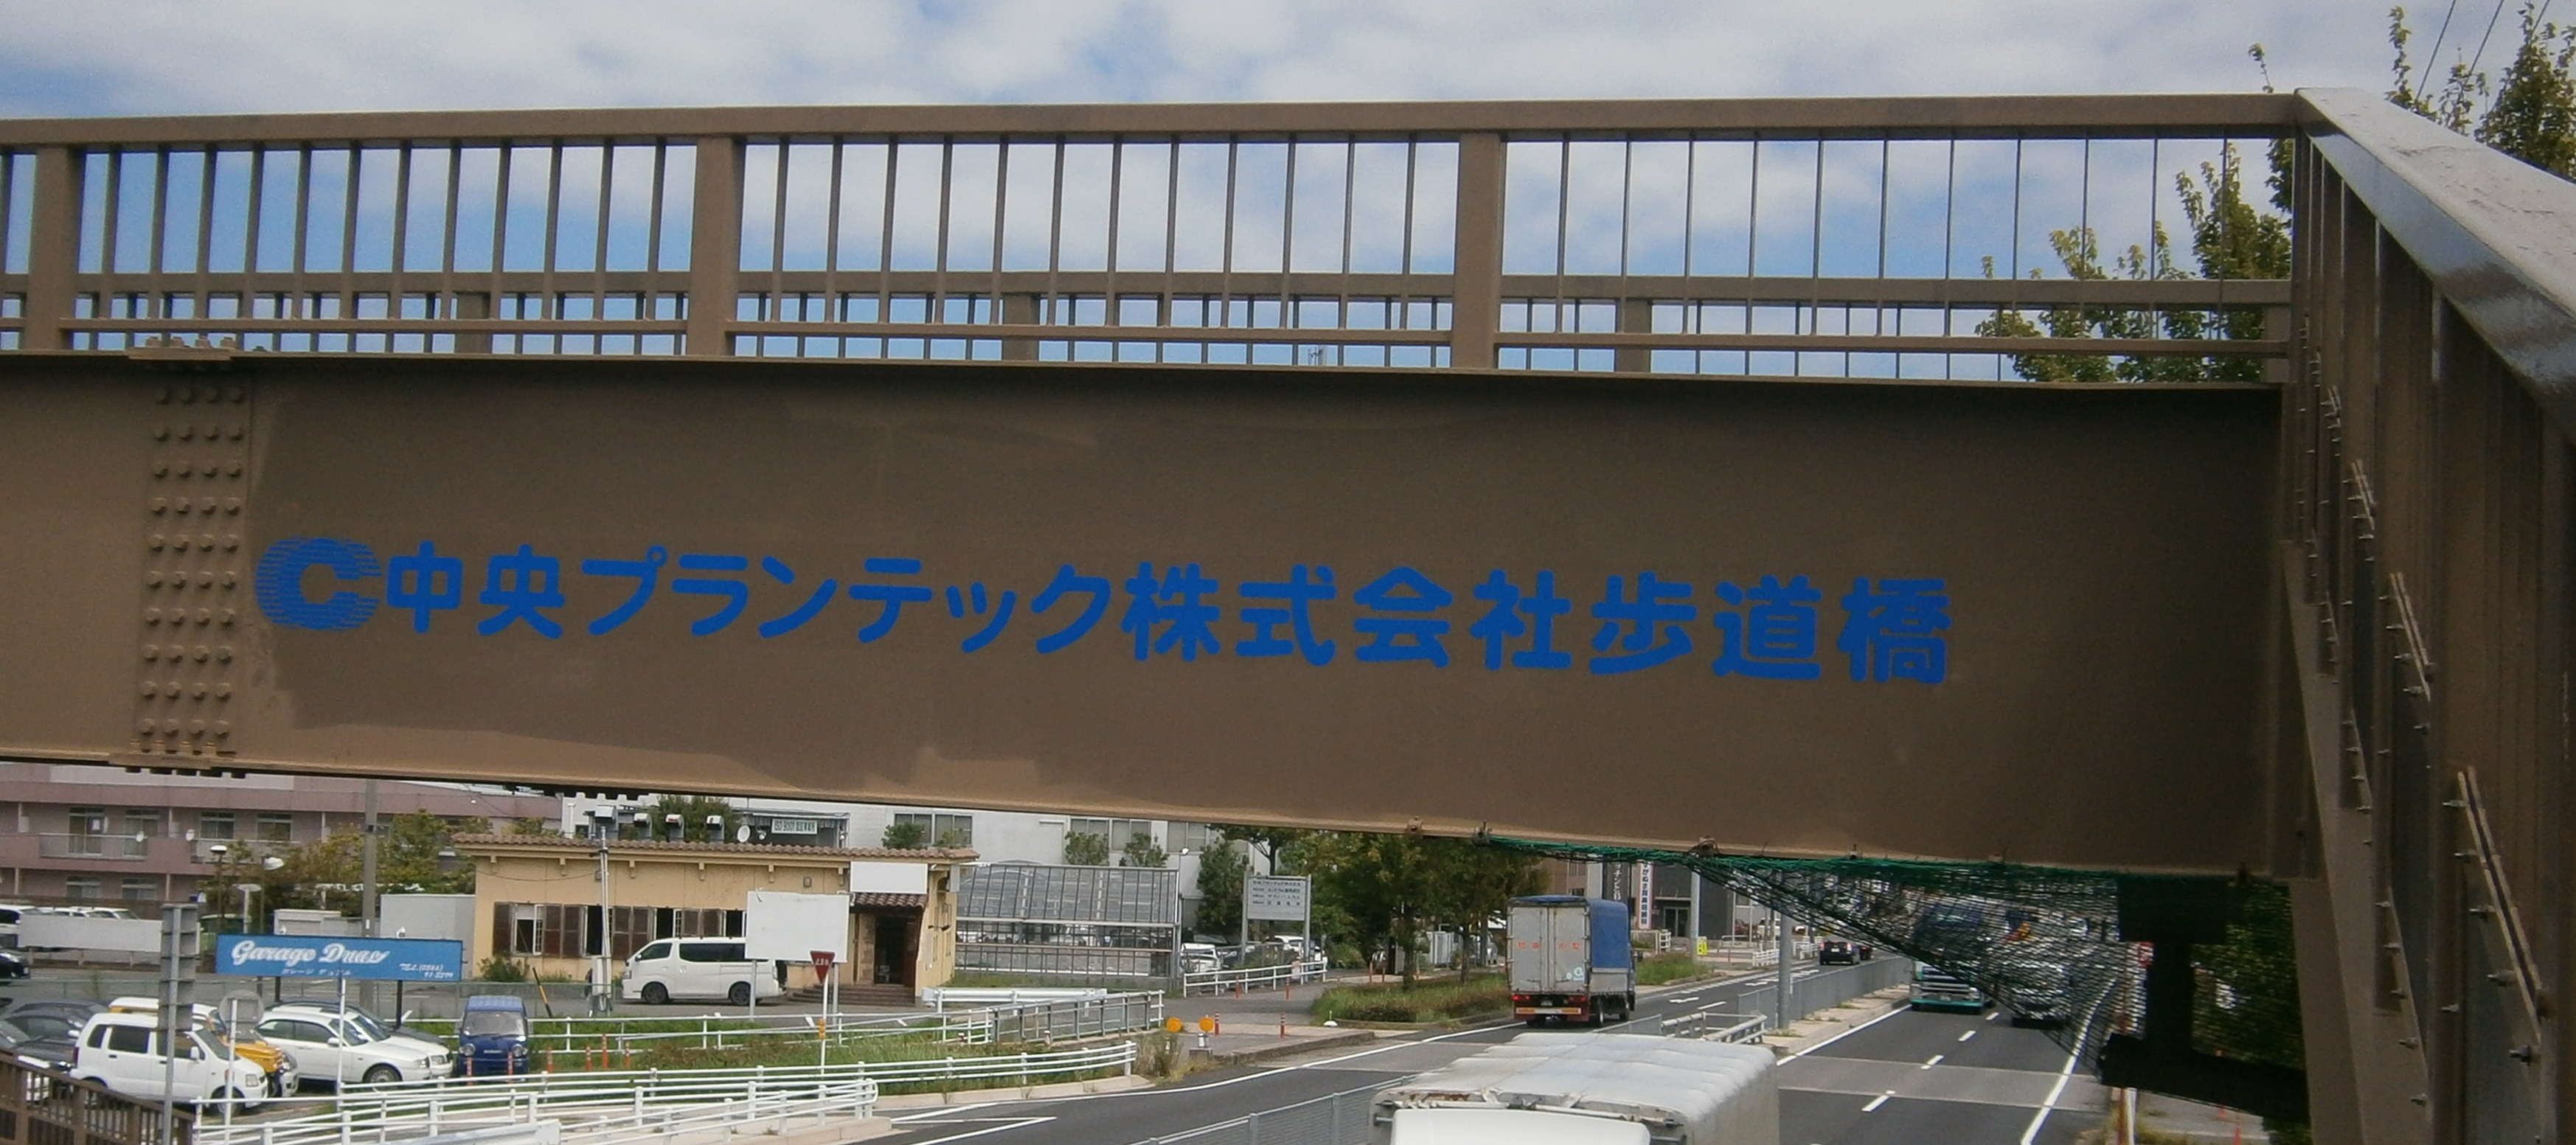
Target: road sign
{"x":1275,"y":898}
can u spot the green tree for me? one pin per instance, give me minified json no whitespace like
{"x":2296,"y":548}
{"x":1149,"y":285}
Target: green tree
{"x":1086,"y":849}
{"x":2529,"y":114}
{"x":694,"y":811}
{"x":1221,"y":873}
{"x":1140,"y":851}
{"x":413,"y":856}
{"x":905,"y":836}
{"x":1272,"y":842}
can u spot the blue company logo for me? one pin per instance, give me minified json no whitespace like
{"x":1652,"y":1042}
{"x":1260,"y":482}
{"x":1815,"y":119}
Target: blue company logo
{"x":279,"y":583}
{"x":1771,"y":627}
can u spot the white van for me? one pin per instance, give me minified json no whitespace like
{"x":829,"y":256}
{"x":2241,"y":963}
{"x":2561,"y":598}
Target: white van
{"x":705,"y":969}
{"x":123,"y":1053}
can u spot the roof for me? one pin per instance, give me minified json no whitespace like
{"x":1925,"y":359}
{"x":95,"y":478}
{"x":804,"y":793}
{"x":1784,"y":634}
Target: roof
{"x":627,"y":847}
{"x":888,"y":900}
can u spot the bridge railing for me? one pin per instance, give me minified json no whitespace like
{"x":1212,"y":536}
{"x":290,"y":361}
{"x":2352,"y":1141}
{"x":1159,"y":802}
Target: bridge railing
{"x":41,"y":1107}
{"x":1771,"y":237}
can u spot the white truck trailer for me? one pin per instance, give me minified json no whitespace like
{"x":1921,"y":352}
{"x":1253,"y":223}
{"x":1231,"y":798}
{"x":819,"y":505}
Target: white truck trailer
{"x":1589,"y":1089}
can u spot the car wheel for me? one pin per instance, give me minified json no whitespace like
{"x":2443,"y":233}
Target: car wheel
{"x":656,"y":994}
{"x":740,"y":995}
{"x":382,"y":1075}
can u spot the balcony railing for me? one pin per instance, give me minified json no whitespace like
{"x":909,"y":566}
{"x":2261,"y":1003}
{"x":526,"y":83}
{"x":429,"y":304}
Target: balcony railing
{"x":79,"y":846}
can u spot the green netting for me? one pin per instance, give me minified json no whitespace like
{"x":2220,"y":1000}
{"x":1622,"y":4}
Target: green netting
{"x":2039,"y":940}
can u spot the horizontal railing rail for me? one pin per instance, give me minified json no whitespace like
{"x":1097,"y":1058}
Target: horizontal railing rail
{"x":1901,"y":238}
{"x":1239,"y":979}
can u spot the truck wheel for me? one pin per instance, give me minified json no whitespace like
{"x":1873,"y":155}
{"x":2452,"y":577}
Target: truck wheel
{"x":656,"y":994}
{"x":740,"y":995}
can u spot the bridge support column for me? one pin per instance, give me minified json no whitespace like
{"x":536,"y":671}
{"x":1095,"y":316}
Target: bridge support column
{"x":53,"y":249}
{"x":715,"y":246}
{"x":1476,"y":296}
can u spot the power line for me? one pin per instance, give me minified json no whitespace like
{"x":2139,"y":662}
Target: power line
{"x":2482,"y":40}
{"x":2436,"y":54}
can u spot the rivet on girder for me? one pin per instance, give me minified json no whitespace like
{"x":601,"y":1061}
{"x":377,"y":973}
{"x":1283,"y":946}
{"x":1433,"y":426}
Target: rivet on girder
{"x":151,"y":616}
{"x":233,"y":394}
{"x":207,"y":580}
{"x":209,"y":468}
{"x":222,"y":729}
{"x":169,"y":727}
{"x":160,"y":433}
{"x":149,"y":690}
{"x":201,"y":653}
{"x":224,"y":653}
{"x":231,"y":542}
{"x":223,"y":691}
{"x":187,"y":395}
{"x":143,"y":727}
{"x":160,"y":505}
{"x":160,"y":469}
{"x":233,"y":431}
{"x":233,"y":470}
{"x":155,"y":541}
{"x":232,"y":504}
{"x":151,"y":651}
{"x":187,"y":432}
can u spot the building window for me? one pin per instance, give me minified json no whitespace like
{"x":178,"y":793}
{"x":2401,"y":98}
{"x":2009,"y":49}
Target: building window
{"x":80,"y":888}
{"x":142,"y":823}
{"x":214,"y":824}
{"x":88,"y":826}
{"x":542,"y":930}
{"x":1196,"y":838}
{"x":941,"y":830}
{"x":276,"y":827}
{"x":140,"y":890}
{"x":1116,"y":832}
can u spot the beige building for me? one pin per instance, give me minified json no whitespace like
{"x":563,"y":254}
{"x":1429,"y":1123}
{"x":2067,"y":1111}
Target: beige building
{"x":538,"y":902}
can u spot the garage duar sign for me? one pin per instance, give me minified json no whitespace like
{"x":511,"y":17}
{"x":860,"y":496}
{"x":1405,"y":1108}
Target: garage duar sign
{"x":310,"y":956}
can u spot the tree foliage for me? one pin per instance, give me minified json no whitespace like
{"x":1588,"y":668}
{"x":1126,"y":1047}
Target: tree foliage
{"x":1222,"y":870}
{"x":2530,"y":113}
{"x":1390,"y":891}
{"x":412,"y":857}
{"x":905,"y":836}
{"x":1086,"y":849}
{"x":694,"y":811}
{"x":1140,"y":851}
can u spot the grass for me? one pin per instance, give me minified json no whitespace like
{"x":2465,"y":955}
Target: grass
{"x":1430,"y":1000}
{"x":1658,"y":969}
{"x":1002,"y":979}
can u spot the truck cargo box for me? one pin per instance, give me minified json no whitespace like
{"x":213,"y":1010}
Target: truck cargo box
{"x":1589,"y":1089}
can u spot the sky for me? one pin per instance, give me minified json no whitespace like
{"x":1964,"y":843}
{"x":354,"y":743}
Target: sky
{"x":149,"y":57}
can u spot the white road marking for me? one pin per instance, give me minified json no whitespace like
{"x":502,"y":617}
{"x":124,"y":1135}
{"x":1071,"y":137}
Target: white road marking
{"x":1936,"y":1060}
{"x":946,"y":1111}
{"x":1995,"y":1015}
{"x":1969,"y":1034}
{"x":1872,"y":1107}
{"x":1020,"y":1123}
{"x":2064,"y":1074}
{"x":1804,"y":1051}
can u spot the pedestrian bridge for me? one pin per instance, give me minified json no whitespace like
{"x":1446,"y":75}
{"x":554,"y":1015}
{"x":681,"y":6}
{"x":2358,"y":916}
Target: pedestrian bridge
{"x":2174,"y":485}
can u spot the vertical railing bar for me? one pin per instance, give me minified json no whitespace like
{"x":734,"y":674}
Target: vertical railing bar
{"x":1350,"y":184}
{"x":447,"y":300}
{"x":937,"y":305}
{"x":653,"y":228}
{"x":1001,"y":201}
{"x":885,"y":243}
{"x":2155,"y":223}
{"x":153,"y":305}
{"x":105,"y":307}
{"x":1171,"y":256}
{"x":832,"y":239}
{"x":349,"y":239}
{"x":1117,"y":207}
{"x":1055,"y":235}
{"x":1225,"y":256}
{"x":1949,"y":236}
{"x":10,"y":163}
{"x":295,"y":269}
{"x":395,"y":260}
{"x":1287,"y":237}
{"x":205,"y":253}
{"x":1816,"y":260}
{"x":250,"y":230}
{"x":1412,"y":169}
{"x":1878,"y":317}
{"x":775,"y":307}
{"x":548,"y":305}
{"x":1564,"y":214}
{"x":505,"y":157}
{"x":599,"y":224}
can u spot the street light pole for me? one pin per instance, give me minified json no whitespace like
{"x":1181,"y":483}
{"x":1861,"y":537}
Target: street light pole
{"x":603,"y":824}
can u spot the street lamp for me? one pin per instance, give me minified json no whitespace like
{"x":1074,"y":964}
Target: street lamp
{"x":603,"y":829}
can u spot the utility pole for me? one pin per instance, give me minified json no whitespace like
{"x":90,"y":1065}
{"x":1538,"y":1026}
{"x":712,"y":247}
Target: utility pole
{"x":1788,"y":962}
{"x":604,"y":827}
{"x":367,"y":866}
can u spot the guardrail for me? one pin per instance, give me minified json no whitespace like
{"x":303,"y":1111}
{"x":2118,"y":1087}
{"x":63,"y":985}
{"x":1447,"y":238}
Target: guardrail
{"x":1048,"y":1016}
{"x":612,"y":1106}
{"x":1253,"y":978}
{"x":1737,"y":1027}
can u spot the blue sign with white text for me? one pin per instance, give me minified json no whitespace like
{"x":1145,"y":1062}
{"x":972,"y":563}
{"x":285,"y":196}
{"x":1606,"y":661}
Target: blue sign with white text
{"x":314,"y":956}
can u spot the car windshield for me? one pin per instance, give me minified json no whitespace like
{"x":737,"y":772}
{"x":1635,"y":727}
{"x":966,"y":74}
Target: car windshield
{"x":492,"y":1023}
{"x":366,"y":1027}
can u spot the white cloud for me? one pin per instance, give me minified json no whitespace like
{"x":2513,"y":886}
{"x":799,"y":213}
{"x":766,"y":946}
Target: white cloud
{"x":173,"y":56}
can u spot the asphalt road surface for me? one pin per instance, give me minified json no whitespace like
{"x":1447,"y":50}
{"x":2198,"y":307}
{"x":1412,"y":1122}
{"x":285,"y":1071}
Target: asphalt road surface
{"x":1879,"y":1083}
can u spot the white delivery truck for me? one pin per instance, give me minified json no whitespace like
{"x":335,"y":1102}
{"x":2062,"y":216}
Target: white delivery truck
{"x":1589,"y":1089}
{"x":1570,"y":960}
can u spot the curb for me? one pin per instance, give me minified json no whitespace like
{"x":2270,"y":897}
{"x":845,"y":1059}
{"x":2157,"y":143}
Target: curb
{"x":1292,"y":1049}
{"x":1013,"y":1093}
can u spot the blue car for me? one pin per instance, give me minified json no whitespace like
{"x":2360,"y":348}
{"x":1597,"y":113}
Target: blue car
{"x":492,"y":1036}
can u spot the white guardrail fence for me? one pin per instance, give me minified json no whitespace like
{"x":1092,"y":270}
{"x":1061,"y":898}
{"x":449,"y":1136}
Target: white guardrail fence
{"x":612,"y":1107}
{"x":1253,"y":978}
{"x":1024,"y":1015}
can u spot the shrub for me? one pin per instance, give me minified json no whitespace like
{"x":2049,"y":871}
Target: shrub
{"x":1655,"y":970}
{"x":1426,"y":1002}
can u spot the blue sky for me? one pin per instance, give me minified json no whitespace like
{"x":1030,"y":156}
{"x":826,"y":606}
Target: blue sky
{"x":106,"y":57}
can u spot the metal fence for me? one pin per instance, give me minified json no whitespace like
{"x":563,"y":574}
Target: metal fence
{"x":1254,"y":977}
{"x":1826,"y":989}
{"x":1770,"y":237}
{"x":41,"y":1107}
{"x":1337,"y":1119}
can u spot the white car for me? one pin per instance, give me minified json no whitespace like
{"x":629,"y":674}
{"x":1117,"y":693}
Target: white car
{"x":122,"y":1052}
{"x":351,"y":1046}
{"x":701,"y":968}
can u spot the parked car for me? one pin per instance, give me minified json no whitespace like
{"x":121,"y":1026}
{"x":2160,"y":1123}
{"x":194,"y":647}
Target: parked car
{"x":9,"y":924}
{"x":1200,"y":958}
{"x":279,"y":1065}
{"x":350,"y":1046}
{"x":52,"y":1051}
{"x":51,"y":1017}
{"x":492,"y":1036}
{"x":124,"y":1052}
{"x":704,"y":969}
{"x":1841,"y":952}
{"x":12,"y":964}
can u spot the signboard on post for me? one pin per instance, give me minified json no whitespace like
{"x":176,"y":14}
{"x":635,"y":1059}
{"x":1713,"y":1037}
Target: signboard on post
{"x":315,"y":956}
{"x":783,"y":926}
{"x":1275,"y":898}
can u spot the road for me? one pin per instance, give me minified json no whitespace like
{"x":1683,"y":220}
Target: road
{"x":1877,"y":1084}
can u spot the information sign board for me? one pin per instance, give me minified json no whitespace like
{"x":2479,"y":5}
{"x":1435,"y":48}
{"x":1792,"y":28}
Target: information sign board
{"x":1275,"y":898}
{"x":320,"y":956}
